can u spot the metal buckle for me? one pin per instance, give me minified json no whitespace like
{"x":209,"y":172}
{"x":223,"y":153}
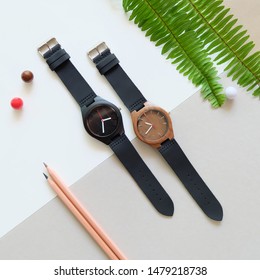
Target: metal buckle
{"x":98,"y":50}
{"x":49,"y":45}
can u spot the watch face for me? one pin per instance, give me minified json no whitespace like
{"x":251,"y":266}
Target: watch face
{"x":102,"y":121}
{"x":152,"y":125}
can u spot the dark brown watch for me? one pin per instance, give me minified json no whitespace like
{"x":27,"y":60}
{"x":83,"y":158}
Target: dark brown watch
{"x":153,"y":126}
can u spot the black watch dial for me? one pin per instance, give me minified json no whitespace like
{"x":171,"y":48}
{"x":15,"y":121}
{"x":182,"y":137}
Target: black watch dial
{"x":102,"y":121}
{"x":152,"y":125}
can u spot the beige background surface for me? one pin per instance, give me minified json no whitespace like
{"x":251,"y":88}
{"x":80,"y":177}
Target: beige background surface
{"x":222,"y":144}
{"x":248,"y":13}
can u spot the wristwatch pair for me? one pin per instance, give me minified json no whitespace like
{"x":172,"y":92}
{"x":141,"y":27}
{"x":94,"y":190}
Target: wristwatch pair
{"x":103,"y":121}
{"x":153,"y":126}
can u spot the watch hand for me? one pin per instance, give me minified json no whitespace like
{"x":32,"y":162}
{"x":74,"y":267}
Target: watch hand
{"x":154,"y":127}
{"x":106,"y":119}
{"x":147,"y":116}
{"x":149,"y":129}
{"x":100,"y":115}
{"x":149,"y":121}
{"x":103,"y":127}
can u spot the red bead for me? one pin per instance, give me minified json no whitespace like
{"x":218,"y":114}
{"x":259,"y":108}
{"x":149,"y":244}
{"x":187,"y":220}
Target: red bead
{"x":27,"y":76}
{"x":17,"y":103}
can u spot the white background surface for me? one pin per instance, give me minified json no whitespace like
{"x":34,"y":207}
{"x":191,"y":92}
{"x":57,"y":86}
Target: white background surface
{"x":49,"y":128}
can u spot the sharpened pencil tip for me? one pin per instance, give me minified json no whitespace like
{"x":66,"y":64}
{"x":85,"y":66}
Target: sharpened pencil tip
{"x":45,"y":164}
{"x":46,"y":177}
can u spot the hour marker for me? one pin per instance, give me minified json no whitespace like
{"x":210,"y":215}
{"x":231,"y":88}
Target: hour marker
{"x":164,"y":123}
{"x":159,"y":134}
{"x":162,"y":117}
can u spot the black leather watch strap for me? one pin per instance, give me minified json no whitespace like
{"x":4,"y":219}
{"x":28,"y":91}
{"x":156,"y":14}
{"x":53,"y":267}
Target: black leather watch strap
{"x":108,"y":65}
{"x":75,"y":83}
{"x":180,"y":164}
{"x":129,"y":157}
{"x":58,"y":61}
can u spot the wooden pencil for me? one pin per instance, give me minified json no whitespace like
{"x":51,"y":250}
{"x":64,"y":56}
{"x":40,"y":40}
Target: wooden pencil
{"x":83,"y":216}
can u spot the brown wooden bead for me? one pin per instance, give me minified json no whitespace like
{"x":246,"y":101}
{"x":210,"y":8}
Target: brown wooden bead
{"x":27,"y":76}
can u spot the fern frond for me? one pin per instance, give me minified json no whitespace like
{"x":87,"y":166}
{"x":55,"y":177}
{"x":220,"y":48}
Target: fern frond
{"x":221,"y":35}
{"x":171,"y":30}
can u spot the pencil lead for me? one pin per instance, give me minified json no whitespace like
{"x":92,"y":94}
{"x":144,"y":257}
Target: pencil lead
{"x":45,"y":164}
{"x":46,"y":177}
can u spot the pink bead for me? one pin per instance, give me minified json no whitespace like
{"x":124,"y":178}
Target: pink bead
{"x":17,"y":103}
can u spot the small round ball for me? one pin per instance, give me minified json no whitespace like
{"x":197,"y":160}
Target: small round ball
{"x":17,"y":103}
{"x":27,"y":76}
{"x":231,"y":92}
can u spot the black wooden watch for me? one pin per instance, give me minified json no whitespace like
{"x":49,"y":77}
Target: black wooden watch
{"x":103,"y":121}
{"x":153,"y":126}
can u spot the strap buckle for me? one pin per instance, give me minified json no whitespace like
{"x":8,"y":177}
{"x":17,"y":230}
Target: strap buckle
{"x":48,"y":46}
{"x":98,"y":50}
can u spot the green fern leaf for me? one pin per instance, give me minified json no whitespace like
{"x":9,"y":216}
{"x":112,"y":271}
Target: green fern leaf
{"x":257,"y":92}
{"x":212,"y":20}
{"x":167,"y":24}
